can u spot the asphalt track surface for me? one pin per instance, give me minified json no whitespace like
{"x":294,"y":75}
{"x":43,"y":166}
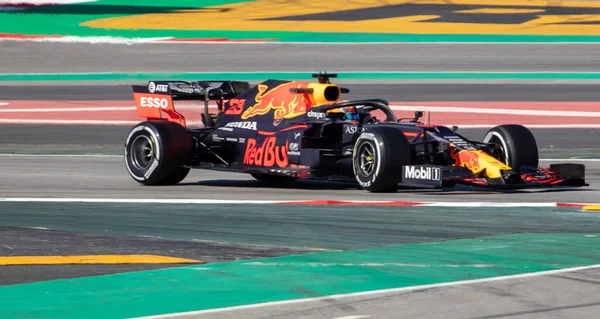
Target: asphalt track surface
{"x":43,"y":242}
{"x":106,"y":177}
{"x":517,"y":298}
{"x":80,"y":139}
{"x":25,"y":57}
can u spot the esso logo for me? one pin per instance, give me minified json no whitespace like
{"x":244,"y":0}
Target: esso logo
{"x":155,"y":102}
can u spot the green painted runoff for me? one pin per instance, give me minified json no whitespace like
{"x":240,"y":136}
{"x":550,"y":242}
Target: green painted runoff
{"x":218,"y":285}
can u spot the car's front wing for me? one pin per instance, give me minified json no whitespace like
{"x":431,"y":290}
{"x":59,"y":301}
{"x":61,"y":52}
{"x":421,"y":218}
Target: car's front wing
{"x":431,"y":176}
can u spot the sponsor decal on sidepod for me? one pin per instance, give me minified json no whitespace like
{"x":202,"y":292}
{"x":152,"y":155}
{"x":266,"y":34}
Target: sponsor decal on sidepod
{"x":268,"y":154}
{"x":245,"y":125}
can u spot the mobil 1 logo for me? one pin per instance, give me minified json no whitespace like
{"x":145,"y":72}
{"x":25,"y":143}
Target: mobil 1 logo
{"x":422,"y":175}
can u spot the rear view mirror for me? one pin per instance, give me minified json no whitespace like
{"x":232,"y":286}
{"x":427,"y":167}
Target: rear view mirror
{"x":418,"y":114}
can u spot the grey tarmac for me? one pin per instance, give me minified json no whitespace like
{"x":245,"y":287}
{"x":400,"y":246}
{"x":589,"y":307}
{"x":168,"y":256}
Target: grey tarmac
{"x":107,"y":177}
{"x":30,"y":57}
{"x":513,"y":298}
{"x":82,"y":139}
{"x":18,"y":241}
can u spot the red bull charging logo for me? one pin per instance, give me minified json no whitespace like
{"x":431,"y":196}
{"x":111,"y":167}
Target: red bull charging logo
{"x":466,"y":158}
{"x":280,"y":99}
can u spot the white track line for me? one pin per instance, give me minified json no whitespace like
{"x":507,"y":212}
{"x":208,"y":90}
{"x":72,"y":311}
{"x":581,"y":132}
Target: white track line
{"x":227,"y":201}
{"x":90,"y":40}
{"x":83,"y":122}
{"x":375,"y":292}
{"x":571,"y":159}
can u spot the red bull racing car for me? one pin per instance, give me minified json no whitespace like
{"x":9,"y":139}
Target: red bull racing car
{"x":285,"y":130}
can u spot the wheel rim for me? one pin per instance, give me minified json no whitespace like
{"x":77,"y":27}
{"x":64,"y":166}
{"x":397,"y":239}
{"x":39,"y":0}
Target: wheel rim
{"x":501,"y":157}
{"x":142,"y":152}
{"x":366,"y":159}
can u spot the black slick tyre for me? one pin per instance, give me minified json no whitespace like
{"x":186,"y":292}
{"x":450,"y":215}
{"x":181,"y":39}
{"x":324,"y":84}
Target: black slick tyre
{"x":518,"y":145}
{"x":156,"y":152}
{"x":378,"y":157}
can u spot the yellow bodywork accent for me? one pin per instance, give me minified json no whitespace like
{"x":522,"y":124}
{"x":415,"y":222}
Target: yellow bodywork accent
{"x":94,"y":259}
{"x":479,"y":161}
{"x":318,"y":96}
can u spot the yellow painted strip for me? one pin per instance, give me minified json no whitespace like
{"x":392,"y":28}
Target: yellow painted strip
{"x":248,"y":16}
{"x":591,"y":207}
{"x":93,"y":259}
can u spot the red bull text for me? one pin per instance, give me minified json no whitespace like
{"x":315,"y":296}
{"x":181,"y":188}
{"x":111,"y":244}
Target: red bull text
{"x":268,"y":154}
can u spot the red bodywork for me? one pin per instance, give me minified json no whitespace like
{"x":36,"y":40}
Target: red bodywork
{"x":155,"y":106}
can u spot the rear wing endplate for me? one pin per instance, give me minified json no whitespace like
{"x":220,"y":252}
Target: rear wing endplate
{"x":155,"y":101}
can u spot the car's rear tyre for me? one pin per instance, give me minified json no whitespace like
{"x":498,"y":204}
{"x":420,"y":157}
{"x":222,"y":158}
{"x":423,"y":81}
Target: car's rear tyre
{"x":378,"y":157}
{"x":517,"y":143}
{"x":268,"y":178}
{"x":156,"y":152}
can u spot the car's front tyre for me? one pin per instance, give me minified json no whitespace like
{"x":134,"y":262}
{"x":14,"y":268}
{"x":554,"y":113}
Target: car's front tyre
{"x":378,"y":157}
{"x":156,"y":152}
{"x":518,"y":145}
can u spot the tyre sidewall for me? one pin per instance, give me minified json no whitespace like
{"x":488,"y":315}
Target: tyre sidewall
{"x":392,"y":151}
{"x":518,"y":143}
{"x":371,"y":139}
{"x":152,"y":172}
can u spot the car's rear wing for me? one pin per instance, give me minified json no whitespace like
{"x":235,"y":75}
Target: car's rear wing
{"x":155,"y":100}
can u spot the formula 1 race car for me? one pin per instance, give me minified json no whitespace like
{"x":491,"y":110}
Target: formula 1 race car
{"x":285,"y":130}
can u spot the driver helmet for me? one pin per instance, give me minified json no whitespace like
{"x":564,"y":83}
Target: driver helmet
{"x":351,"y":113}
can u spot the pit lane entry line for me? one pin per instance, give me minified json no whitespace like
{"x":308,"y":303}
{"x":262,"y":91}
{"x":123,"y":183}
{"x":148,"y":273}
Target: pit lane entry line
{"x":375,"y":292}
